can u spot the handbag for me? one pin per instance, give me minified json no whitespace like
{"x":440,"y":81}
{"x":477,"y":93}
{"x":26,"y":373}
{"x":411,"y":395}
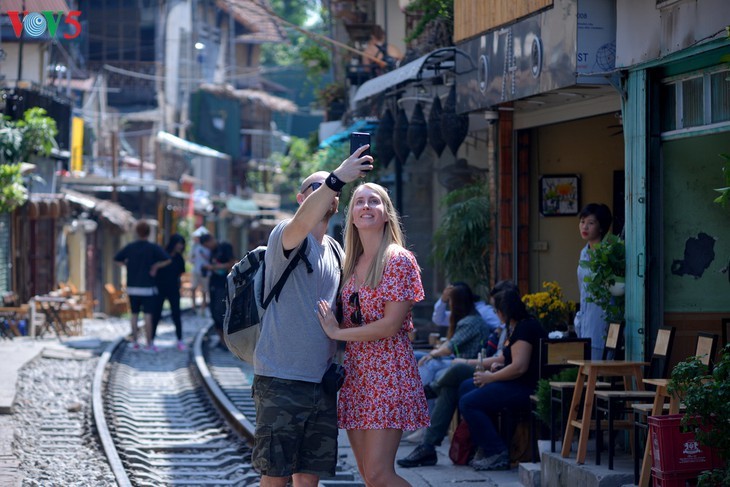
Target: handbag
{"x":461,"y":448}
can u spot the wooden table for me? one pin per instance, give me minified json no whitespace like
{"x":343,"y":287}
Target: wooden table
{"x":657,"y":409}
{"x":588,"y":373}
{"x":51,"y":306}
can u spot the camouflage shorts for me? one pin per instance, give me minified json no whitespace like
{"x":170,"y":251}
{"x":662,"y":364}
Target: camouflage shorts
{"x":296,"y":428}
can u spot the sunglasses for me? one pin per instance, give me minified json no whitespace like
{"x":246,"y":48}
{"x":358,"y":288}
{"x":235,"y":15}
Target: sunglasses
{"x":315,"y":186}
{"x":356,"y":316}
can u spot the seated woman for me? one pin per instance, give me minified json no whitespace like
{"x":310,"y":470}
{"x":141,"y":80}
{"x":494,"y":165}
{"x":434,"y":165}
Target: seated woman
{"x":445,"y":391}
{"x":465,"y":338}
{"x":507,"y":387}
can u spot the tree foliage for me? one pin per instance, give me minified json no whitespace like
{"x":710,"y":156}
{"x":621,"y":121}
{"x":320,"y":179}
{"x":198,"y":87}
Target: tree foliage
{"x":12,"y":191}
{"x":432,"y":11}
{"x":461,"y":242}
{"x":299,"y":47}
{"x":33,"y":134}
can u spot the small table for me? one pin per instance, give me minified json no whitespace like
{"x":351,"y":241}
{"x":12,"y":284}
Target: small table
{"x":51,"y":306}
{"x":12,"y":314}
{"x":657,"y":409}
{"x":588,"y":373}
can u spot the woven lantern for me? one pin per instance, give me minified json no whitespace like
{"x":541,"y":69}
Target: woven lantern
{"x":454,"y":127}
{"x":435,"y":137}
{"x":400,"y":136}
{"x":417,"y":131}
{"x":384,"y":139}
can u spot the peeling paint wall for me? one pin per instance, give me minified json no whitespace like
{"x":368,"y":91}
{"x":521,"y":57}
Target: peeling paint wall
{"x":696,"y":231}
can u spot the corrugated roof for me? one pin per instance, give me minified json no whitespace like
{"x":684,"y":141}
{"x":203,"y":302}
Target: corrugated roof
{"x":112,"y":212}
{"x":272,"y":102}
{"x":33,"y":5}
{"x":254,"y":17}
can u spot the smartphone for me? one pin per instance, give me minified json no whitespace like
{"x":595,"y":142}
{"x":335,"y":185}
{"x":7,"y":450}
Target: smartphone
{"x":359,"y":139}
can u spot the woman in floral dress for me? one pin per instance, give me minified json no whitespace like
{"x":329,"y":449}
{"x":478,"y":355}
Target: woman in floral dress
{"x":382,"y":394}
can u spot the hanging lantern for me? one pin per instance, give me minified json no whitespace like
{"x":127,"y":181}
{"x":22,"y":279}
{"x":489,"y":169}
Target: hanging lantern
{"x":417,"y":131}
{"x":400,"y":136}
{"x":435,"y":137}
{"x":453,"y":126}
{"x":384,"y":140}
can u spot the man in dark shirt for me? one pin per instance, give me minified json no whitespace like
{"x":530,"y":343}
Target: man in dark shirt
{"x":143,"y":259}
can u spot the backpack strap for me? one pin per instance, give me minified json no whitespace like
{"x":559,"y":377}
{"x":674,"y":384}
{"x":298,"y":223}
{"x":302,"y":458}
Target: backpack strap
{"x":301,"y":255}
{"x":338,"y":255}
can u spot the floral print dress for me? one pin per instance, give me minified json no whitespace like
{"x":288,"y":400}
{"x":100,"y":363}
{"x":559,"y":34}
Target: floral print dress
{"x":382,"y":387}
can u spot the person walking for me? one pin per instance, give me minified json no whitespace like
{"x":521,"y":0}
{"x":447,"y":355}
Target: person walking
{"x":296,"y":422}
{"x":204,"y":242}
{"x":168,"y":287}
{"x":382,"y":394}
{"x":221,"y":262}
{"x":143,"y":259}
{"x":590,"y":320}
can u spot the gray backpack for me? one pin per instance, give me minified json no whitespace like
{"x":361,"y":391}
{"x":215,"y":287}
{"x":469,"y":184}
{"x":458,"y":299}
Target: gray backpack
{"x":245,"y":301}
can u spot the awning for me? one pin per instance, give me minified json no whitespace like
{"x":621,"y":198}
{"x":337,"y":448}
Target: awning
{"x":341,"y":137}
{"x":188,"y":146}
{"x":432,"y":64}
{"x":112,"y":212}
{"x":242,"y":207}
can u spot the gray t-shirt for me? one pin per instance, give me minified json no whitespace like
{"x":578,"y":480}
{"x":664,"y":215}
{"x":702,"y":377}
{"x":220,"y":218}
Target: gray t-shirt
{"x":292,"y":344}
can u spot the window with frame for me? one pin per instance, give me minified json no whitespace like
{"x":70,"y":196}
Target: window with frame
{"x":695,"y":100}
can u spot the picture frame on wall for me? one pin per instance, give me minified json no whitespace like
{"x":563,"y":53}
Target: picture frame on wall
{"x":560,"y":195}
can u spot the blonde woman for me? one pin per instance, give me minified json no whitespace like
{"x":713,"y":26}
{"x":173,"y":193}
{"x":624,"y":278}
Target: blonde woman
{"x":382,"y":395}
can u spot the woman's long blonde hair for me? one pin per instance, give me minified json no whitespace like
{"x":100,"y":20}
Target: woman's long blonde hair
{"x":392,"y":236}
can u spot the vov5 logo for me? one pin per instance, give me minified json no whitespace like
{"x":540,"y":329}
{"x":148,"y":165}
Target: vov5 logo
{"x":35,"y":24}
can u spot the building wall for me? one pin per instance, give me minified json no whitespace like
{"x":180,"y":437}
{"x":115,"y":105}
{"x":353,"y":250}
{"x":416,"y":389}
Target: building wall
{"x":646,"y":32}
{"x":472,"y":18}
{"x":589,"y":148}
{"x":395,"y":27}
{"x":34,"y":62}
{"x":696,"y":231}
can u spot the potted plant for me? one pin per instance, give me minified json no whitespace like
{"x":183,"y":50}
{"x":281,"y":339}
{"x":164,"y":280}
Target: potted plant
{"x":706,"y":396}
{"x":606,"y":281}
{"x":549,"y":307}
{"x":332,"y":99}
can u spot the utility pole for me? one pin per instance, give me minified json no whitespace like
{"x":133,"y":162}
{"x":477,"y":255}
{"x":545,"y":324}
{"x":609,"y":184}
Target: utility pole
{"x":20,"y":52}
{"x":141,"y":176}
{"x":114,"y":166}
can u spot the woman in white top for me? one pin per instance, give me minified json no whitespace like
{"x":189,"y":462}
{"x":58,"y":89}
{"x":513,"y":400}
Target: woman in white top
{"x":590,"y":321}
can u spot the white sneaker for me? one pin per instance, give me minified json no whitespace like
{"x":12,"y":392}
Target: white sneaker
{"x":415,"y":436}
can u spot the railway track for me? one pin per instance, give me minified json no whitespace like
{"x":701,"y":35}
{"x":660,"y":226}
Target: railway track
{"x":172,"y":418}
